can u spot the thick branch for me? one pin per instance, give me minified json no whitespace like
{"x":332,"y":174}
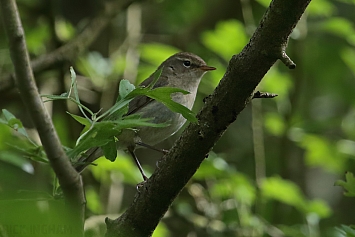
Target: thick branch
{"x":235,"y":90}
{"x":68,"y":178}
{"x":76,"y":46}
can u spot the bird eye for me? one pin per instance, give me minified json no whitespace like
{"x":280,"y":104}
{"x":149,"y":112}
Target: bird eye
{"x":187,"y":63}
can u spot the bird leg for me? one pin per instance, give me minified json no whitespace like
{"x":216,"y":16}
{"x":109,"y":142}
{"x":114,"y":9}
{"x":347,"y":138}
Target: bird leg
{"x":131,"y":151}
{"x":152,"y":147}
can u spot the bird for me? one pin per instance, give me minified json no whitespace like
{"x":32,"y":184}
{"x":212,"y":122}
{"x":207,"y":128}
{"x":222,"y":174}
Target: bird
{"x":183,"y":70}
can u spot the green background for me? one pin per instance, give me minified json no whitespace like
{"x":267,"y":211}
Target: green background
{"x":273,"y":171}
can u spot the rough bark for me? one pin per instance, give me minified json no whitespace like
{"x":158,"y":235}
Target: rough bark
{"x":243,"y":74}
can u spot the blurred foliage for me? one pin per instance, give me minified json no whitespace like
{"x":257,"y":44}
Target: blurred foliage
{"x":222,"y":40}
{"x":307,"y":132}
{"x":348,"y":185}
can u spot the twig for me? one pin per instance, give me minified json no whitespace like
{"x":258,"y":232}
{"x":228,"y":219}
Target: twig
{"x":287,"y":60}
{"x":266,"y":95}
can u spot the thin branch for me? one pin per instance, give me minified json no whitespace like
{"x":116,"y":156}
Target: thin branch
{"x":76,"y":46}
{"x":68,"y":178}
{"x":243,"y":74}
{"x":287,"y":60}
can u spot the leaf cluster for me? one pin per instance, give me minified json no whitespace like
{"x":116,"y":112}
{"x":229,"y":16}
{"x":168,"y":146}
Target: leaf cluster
{"x":102,"y":129}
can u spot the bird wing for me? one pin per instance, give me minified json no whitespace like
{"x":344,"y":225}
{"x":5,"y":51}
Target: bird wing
{"x":141,"y":101}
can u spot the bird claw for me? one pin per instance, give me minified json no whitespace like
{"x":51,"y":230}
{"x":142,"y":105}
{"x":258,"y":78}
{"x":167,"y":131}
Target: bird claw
{"x":141,"y":185}
{"x":152,"y":148}
{"x":157,"y":164}
{"x":164,"y":151}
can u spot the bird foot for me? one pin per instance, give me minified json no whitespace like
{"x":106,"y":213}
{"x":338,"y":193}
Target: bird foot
{"x":152,"y":147}
{"x":164,"y":151}
{"x":141,"y":185}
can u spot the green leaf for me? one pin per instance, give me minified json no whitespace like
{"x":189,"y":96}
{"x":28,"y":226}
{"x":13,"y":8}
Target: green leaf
{"x":346,"y":231}
{"x":236,"y":186}
{"x":3,"y":121}
{"x":72,"y":77}
{"x":165,"y":92}
{"x":264,"y":3}
{"x":74,"y":88}
{"x":118,"y":109}
{"x":110,"y":150}
{"x":348,"y":185}
{"x":156,"y":76}
{"x":322,"y":152}
{"x":98,"y":135}
{"x":223,"y":41}
{"x":275,"y":123}
{"x":283,"y":191}
{"x":36,"y":154}
{"x":67,"y":96}
{"x":124,"y":89}
{"x":163,"y":95}
{"x":103,"y":132}
{"x":13,"y":158}
{"x":84,"y":121}
{"x":134,"y":120}
{"x":63,"y":96}
{"x":161,"y":230}
{"x":338,"y":26}
{"x":8,"y":115}
{"x":319,"y":207}
{"x":64,"y":30}
{"x":14,"y":123}
{"x":81,"y":120}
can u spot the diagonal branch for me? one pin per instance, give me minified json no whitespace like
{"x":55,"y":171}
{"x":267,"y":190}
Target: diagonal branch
{"x":244,"y":72}
{"x":76,"y":46}
{"x":68,"y":178}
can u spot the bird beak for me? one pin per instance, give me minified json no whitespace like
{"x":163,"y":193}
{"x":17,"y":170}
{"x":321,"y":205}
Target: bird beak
{"x":207,"y":68}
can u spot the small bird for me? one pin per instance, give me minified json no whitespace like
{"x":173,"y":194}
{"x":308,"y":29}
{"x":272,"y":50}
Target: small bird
{"x":182,"y":70}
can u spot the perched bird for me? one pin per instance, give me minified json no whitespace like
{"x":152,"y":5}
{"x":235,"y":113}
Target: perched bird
{"x":182,"y":70}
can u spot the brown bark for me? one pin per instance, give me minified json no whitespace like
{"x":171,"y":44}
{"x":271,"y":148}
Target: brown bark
{"x":244,"y":73}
